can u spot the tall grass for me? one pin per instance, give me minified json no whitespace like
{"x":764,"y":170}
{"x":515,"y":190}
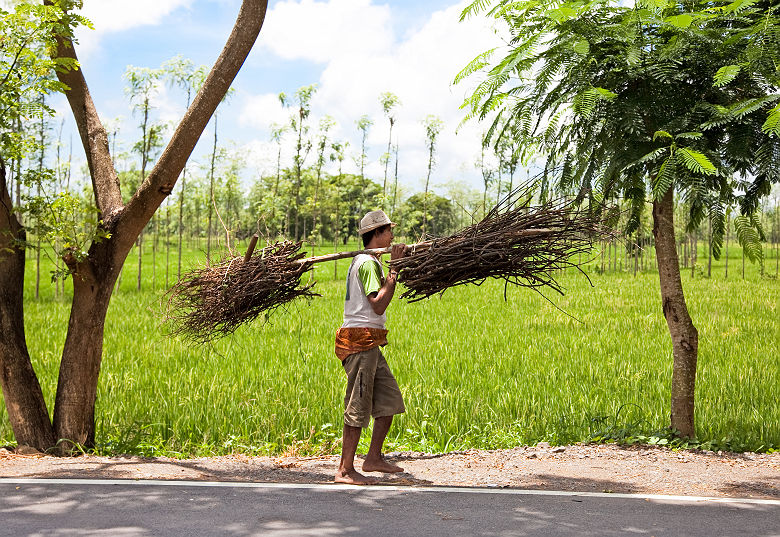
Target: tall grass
{"x":476,"y":371}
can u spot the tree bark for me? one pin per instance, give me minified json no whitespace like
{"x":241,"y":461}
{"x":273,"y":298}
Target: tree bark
{"x":24,"y":400}
{"x":685,"y":337}
{"x":74,"y":407}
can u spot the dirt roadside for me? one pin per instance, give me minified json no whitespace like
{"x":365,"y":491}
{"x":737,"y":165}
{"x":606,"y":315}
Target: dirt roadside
{"x":581,"y":468}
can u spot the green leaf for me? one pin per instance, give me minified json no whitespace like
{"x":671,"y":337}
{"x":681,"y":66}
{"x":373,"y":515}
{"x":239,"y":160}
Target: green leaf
{"x":561,"y":14}
{"x":738,"y":5}
{"x":696,"y":162}
{"x":606,"y":94}
{"x":680,"y":21}
{"x":748,"y":106}
{"x":581,"y":47}
{"x":726,"y":74}
{"x":688,"y":135}
{"x":665,"y":178}
{"x":718,"y":222}
{"x":652,"y":4}
{"x":662,"y":134}
{"x":474,"y":65}
{"x":772,"y":124}
{"x":749,"y":238}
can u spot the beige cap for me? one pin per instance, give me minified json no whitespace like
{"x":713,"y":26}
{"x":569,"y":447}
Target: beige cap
{"x":373,"y":220}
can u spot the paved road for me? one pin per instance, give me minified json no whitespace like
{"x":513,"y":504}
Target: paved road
{"x":157,"y":508}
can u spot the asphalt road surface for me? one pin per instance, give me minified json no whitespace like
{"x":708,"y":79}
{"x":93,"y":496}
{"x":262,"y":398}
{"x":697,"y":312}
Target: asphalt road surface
{"x":49,"y":507}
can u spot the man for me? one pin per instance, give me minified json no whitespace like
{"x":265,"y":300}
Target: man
{"x":371,"y":388}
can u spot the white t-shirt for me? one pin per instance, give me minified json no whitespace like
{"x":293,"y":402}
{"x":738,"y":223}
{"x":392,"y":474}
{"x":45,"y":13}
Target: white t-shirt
{"x":357,"y":308}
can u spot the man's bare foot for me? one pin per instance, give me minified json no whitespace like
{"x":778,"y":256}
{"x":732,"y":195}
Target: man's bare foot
{"x":381,"y":465}
{"x":352,"y":477}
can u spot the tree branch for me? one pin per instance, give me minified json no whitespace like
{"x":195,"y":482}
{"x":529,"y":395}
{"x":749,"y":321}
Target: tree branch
{"x":93,"y":136}
{"x":163,"y":176}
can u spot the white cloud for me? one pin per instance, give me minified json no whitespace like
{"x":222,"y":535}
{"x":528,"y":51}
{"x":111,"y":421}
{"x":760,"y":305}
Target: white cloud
{"x":363,"y":59}
{"x":263,"y":110}
{"x":117,"y":15}
{"x":108,"y":16}
{"x":320,"y":31}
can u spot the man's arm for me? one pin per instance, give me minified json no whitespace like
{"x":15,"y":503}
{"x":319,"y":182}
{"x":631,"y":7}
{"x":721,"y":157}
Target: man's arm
{"x":381,"y":299}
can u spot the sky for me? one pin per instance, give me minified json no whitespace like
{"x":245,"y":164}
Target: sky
{"x":354,"y":50}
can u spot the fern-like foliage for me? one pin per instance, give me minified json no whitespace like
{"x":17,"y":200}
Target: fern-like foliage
{"x":664,"y":95}
{"x":748,"y":237}
{"x":718,"y":225}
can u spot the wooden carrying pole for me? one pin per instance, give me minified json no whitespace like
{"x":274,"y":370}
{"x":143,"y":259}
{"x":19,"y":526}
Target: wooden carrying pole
{"x":377,"y":251}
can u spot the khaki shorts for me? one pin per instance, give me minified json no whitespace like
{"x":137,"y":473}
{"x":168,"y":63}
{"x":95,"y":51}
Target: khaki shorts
{"x":371,"y":389}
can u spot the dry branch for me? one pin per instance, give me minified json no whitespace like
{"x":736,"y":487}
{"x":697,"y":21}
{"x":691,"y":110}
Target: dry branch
{"x":517,"y":242}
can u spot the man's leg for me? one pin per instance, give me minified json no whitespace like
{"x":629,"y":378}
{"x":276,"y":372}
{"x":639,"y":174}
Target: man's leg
{"x":360,"y":369}
{"x":375,"y":461}
{"x":346,"y":472}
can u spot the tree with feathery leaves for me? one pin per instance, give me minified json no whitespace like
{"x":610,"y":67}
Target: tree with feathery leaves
{"x":644,"y":102}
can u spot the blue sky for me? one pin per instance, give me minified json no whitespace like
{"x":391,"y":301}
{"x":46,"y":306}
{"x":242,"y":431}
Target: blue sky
{"x":353,"y":49}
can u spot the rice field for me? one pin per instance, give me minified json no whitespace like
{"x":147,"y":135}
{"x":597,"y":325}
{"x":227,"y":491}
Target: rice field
{"x":476,"y":370}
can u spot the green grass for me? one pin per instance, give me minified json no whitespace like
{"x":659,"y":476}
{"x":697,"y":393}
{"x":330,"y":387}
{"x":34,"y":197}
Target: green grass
{"x":476,"y":371}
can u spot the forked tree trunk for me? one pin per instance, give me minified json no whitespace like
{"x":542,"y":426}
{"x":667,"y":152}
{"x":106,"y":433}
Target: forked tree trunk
{"x":94,"y":277}
{"x":685,"y":337}
{"x":24,"y":400}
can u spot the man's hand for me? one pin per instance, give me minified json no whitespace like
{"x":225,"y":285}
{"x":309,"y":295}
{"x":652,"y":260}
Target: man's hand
{"x":381,"y":299}
{"x":398,"y":251}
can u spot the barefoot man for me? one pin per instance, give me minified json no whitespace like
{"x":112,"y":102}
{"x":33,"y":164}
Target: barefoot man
{"x":371,"y":387}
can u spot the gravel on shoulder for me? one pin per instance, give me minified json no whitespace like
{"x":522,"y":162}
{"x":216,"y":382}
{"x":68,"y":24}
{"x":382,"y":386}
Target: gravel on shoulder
{"x":580,"y":468}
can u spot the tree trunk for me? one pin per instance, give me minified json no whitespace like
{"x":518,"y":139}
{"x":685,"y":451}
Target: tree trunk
{"x":74,"y":409}
{"x":212,"y":202}
{"x":728,"y":232}
{"x":709,"y":248}
{"x":24,"y":400}
{"x":685,"y":337}
{"x":140,"y":243}
{"x":395,"y":187}
{"x":181,"y":220}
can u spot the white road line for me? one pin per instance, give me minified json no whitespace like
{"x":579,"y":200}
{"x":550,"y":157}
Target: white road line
{"x":407,"y":489}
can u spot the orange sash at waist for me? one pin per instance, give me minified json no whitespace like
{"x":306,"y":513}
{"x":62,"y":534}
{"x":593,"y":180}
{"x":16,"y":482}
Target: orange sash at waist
{"x":358,"y":339}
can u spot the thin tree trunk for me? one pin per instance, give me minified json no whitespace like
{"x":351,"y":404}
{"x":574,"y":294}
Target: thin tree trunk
{"x":498,"y":186}
{"x":603,"y":247}
{"x":395,"y":186}
{"x":167,"y":241}
{"x":140,"y":244}
{"x":743,"y":262}
{"x":709,"y":249}
{"x":685,"y":337}
{"x":156,"y":233}
{"x":276,"y":189}
{"x":387,"y":162}
{"x":728,"y":233}
{"x":777,"y":241}
{"x":181,"y":219}
{"x":22,"y":392}
{"x":427,"y":182}
{"x":211,"y":191}
{"x":298,"y":176}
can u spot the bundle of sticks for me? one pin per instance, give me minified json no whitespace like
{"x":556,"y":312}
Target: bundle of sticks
{"x":213,"y":301}
{"x":521,"y":243}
